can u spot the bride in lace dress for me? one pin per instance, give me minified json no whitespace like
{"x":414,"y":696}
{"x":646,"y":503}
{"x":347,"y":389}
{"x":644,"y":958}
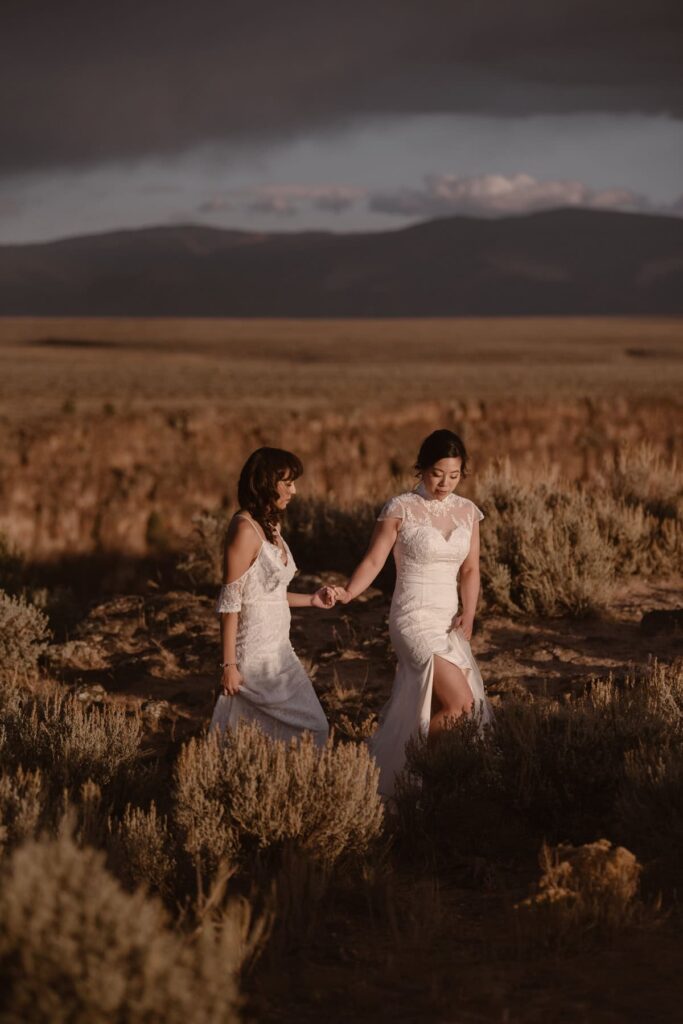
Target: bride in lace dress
{"x":261,"y":676}
{"x":434,"y":534}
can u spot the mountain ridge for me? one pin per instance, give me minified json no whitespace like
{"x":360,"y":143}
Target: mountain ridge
{"x":557,"y":262}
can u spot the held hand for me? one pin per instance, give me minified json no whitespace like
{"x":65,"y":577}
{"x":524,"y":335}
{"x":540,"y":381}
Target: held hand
{"x":465,"y":623}
{"x":324,"y":598}
{"x":231,"y":680}
{"x":342,"y":595}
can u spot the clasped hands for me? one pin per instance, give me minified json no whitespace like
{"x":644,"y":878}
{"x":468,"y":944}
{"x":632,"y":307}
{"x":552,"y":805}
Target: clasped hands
{"x":327,"y":597}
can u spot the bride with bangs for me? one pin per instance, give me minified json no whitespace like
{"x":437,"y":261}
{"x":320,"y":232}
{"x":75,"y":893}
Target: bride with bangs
{"x":262,"y":679}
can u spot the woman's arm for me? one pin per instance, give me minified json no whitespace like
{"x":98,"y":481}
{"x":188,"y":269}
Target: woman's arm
{"x":381,"y":542}
{"x":469,"y":586}
{"x":322,"y":598}
{"x":241,"y":548}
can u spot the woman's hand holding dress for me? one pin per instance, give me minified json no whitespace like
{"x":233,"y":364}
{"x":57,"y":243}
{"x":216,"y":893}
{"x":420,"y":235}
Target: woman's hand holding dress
{"x":465,"y":623}
{"x":231,"y":680}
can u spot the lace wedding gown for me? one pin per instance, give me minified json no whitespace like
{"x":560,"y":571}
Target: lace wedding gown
{"x":276,"y":691}
{"x":433,"y":542}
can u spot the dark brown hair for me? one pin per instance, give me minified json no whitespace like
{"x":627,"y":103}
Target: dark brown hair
{"x":257,"y":487}
{"x":441,"y":444}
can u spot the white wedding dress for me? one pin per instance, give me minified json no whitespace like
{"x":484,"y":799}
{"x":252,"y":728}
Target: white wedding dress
{"x":433,"y":541}
{"x":276,"y":691}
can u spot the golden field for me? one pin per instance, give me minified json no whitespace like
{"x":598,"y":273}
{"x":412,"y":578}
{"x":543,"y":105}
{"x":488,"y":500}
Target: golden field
{"x":530,"y":877}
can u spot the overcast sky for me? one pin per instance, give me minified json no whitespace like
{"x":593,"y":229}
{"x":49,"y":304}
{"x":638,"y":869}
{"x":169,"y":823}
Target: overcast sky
{"x":350,"y":116}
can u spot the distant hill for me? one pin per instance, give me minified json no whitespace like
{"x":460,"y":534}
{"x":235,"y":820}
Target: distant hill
{"x":563,"y":261}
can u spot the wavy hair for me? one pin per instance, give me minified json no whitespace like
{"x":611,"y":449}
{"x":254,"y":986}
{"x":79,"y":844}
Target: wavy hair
{"x":257,"y":487}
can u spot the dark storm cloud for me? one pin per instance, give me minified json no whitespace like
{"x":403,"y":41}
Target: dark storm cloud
{"x":81,"y":82}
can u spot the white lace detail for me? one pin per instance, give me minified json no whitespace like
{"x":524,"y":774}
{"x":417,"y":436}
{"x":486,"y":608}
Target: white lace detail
{"x":414,"y":509}
{"x":230,"y":597}
{"x":393,"y":509}
{"x":276,"y":691}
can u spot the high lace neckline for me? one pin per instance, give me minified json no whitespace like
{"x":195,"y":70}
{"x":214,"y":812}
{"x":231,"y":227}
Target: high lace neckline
{"x":423,"y":493}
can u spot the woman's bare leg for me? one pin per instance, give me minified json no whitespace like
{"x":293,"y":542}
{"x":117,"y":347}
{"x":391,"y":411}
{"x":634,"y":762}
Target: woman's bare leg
{"x":451,"y":694}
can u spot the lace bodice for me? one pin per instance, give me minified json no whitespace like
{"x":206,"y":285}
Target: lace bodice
{"x":432,"y":532}
{"x":266,"y":578}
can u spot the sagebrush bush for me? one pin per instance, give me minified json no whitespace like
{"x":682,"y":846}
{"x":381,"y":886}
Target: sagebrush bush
{"x":640,"y":476}
{"x":584,"y":890}
{"x":559,"y":549}
{"x":569,"y":771}
{"x":76,"y":947}
{"x":24,"y":635}
{"x":249,"y":791}
{"x":70,"y":742}
{"x":142,"y":847}
{"x":24,"y":806}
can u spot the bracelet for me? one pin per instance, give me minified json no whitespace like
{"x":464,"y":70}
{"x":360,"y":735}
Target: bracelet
{"x":227,"y":664}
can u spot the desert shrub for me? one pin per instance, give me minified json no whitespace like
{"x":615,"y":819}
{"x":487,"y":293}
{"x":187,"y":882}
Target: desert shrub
{"x":560,"y":549}
{"x":75,"y":946}
{"x":640,"y":476}
{"x":649,"y":810}
{"x":584,"y":891}
{"x":568,"y":771}
{"x":23,"y":635}
{"x":202,"y":563}
{"x":250,"y":791}
{"x":452,"y":800}
{"x":24,"y":804}
{"x":142,"y":848}
{"x":567,"y":766}
{"x":69,"y":742}
{"x":542,"y":550}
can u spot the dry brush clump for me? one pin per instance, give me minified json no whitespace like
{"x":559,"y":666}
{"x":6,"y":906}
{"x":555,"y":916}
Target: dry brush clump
{"x":25,"y":806}
{"x":75,"y":946}
{"x":141,"y":847}
{"x":249,"y":792}
{"x":71,"y":743}
{"x":584,"y":892}
{"x":552,"y":548}
{"x":563,"y":772}
{"x":24,"y":635}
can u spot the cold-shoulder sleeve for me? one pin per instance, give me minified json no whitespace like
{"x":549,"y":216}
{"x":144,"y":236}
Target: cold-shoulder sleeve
{"x":393,"y":509}
{"x":230,"y":597}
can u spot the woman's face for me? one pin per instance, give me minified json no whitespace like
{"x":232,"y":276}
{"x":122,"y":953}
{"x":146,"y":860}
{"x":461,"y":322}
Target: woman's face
{"x":286,"y":489}
{"x":442,"y":478}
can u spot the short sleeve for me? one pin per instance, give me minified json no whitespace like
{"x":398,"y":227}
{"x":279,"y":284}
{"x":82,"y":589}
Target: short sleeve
{"x":393,"y":509}
{"x":230,"y":597}
{"x":477,"y":514}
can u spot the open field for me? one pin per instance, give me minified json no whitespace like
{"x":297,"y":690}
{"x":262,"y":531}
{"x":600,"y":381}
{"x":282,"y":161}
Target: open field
{"x":115,"y":431}
{"x":309,"y":366}
{"x":114,"y":435}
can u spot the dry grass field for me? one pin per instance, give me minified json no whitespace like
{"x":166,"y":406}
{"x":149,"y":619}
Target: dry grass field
{"x":533,"y":876}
